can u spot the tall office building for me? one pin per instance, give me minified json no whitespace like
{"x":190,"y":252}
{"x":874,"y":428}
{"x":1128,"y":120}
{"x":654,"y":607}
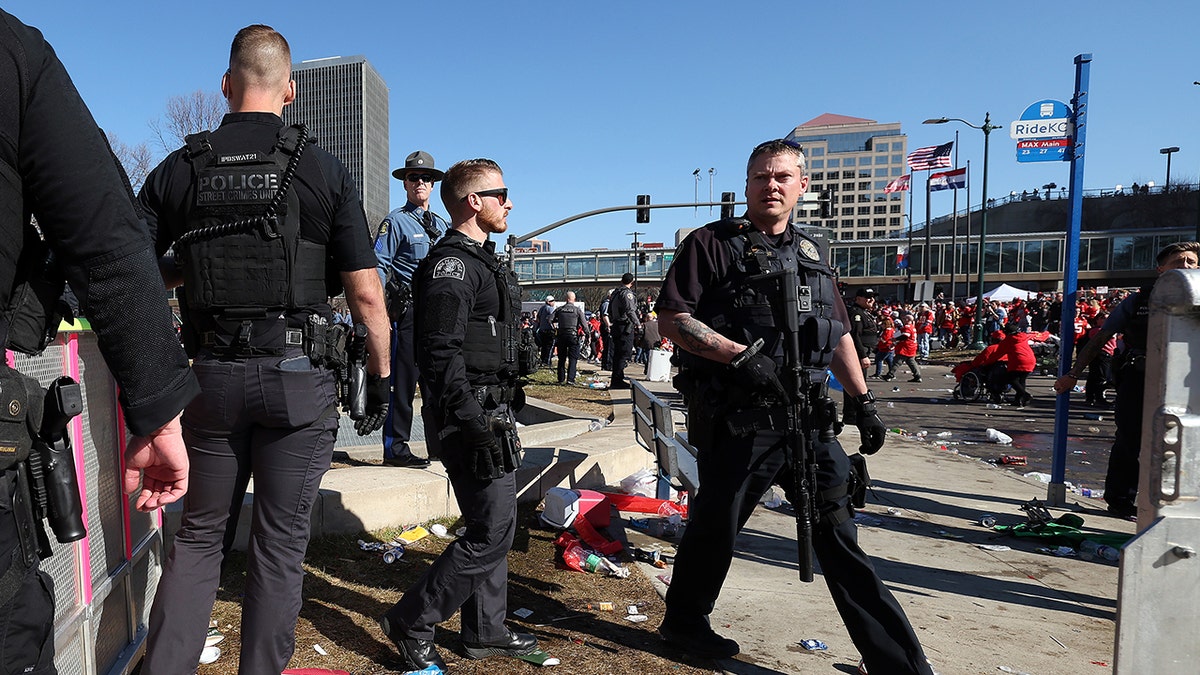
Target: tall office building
{"x":344,"y":102}
{"x":855,"y":158}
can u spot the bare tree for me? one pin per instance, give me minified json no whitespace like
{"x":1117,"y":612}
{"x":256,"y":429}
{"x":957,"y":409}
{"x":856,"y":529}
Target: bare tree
{"x":188,"y":114}
{"x":138,"y":160}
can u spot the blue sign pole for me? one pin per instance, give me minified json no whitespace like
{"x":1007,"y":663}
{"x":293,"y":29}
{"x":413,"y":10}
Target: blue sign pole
{"x":1057,"y":491}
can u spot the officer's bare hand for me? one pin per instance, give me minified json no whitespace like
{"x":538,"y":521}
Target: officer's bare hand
{"x":158,"y":464}
{"x":870,"y":429}
{"x":1065,"y":383}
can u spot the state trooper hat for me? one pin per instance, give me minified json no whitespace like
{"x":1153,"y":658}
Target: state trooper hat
{"x":418,"y":161}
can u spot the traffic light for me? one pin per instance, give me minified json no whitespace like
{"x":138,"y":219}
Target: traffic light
{"x":642,"y":258}
{"x":643,"y":215}
{"x":826,"y":204}
{"x":727,"y":206}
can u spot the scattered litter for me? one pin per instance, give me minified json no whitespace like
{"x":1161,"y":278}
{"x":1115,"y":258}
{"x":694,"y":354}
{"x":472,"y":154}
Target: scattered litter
{"x":1060,"y":644}
{"x":1094,"y":430}
{"x":596,"y":425}
{"x":636,"y":618}
{"x":392,"y":551}
{"x":771,"y":499}
{"x":922,"y":433}
{"x":994,"y":547}
{"x":1038,"y":476}
{"x":987,"y":520}
{"x":439,"y":531}
{"x":320,"y":650}
{"x":209,"y":655}
{"x":814,"y":645}
{"x":894,"y":511}
{"x":1058,"y":551}
{"x":1091,"y":492}
{"x":665,"y":578}
{"x":413,"y":534}
{"x":1095,"y":417}
{"x":866,"y":520}
{"x":523,"y":613}
{"x":540,"y":658}
{"x":1014,"y":460}
{"x":895,"y":388}
{"x":601,"y":606}
{"x":891,"y":404}
{"x":633,"y":609}
{"x":998,"y":437}
{"x":993,"y":406}
{"x":642,"y":483}
{"x":945,"y":434}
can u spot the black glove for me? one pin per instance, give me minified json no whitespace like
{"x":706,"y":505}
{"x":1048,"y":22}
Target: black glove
{"x":378,"y":390}
{"x":759,"y":374}
{"x":871,"y":428}
{"x":479,"y":436}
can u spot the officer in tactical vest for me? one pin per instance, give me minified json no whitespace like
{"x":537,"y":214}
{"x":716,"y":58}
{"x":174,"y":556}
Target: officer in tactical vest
{"x":567,"y":320}
{"x":55,"y":166}
{"x":623,"y":311}
{"x":468,"y":334}
{"x":724,"y":304}
{"x":864,"y":331}
{"x":1131,"y":318}
{"x":265,"y":226}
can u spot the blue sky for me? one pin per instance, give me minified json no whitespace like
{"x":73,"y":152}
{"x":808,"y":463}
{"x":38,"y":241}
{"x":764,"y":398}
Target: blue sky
{"x":586,"y":105}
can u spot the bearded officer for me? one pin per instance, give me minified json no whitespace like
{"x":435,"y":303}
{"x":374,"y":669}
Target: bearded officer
{"x":468,"y":328}
{"x":714,"y":310}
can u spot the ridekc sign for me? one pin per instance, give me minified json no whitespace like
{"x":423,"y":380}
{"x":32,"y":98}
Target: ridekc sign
{"x":1044,"y":132}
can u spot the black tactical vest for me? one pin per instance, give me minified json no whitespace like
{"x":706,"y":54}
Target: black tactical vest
{"x":492,"y":341}
{"x":1135,"y":335}
{"x":746,"y":303}
{"x":239,"y":263}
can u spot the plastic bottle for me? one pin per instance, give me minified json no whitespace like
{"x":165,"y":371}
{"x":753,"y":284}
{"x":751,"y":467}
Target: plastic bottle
{"x":993,"y":406}
{"x":1099,"y":550}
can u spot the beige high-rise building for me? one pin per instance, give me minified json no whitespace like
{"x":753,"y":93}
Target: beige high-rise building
{"x":855,"y":158}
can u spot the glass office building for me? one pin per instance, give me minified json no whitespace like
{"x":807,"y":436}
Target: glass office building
{"x":855,"y":158}
{"x":344,"y":102}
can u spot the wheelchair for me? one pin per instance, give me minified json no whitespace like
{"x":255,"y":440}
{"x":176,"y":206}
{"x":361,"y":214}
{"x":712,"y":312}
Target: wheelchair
{"x":972,"y":383}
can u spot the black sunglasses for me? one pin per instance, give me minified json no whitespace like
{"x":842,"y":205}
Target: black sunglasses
{"x":498,"y":193}
{"x":419,"y":178}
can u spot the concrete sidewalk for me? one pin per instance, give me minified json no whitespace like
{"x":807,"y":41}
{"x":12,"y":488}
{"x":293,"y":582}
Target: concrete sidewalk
{"x":974,"y":610}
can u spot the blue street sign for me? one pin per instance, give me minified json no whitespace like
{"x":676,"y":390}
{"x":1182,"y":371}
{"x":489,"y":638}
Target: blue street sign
{"x":1044,"y":132}
{"x":1043,"y":150}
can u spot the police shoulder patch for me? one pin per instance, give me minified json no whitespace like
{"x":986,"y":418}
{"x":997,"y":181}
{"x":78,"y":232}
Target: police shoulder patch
{"x":809,"y":250}
{"x":451,"y":268}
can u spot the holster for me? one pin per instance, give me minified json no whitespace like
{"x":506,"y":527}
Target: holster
{"x":860,"y":480}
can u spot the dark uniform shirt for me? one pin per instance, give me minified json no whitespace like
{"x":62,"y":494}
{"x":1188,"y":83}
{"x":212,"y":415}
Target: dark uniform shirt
{"x":330,"y":211}
{"x":55,"y":157}
{"x":568,"y":318}
{"x":456,"y":288}
{"x":863,"y":330}
{"x":622,"y":309}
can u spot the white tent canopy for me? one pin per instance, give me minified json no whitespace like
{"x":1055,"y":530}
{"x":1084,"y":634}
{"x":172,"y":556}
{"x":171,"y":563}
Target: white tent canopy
{"x":1006,"y":293}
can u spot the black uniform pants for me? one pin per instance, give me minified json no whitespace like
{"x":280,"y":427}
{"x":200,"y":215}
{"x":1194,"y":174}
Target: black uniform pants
{"x":734,"y":474}
{"x":1097,"y":379}
{"x":622,"y":349}
{"x":274,"y":418}
{"x":27,"y":608}
{"x":546,"y":343}
{"x":1121,"y":481}
{"x":397,"y":430}
{"x":568,"y":358}
{"x":472,"y":573}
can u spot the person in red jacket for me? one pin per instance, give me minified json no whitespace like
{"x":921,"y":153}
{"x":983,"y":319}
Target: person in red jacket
{"x":1020,"y":362}
{"x":906,"y":347}
{"x":883,"y":348}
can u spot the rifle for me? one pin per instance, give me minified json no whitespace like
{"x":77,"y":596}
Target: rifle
{"x":798,"y":452}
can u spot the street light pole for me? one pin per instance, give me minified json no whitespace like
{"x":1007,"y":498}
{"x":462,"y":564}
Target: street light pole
{"x":1168,"y":152}
{"x":987,"y":129}
{"x":696,"y":197}
{"x":711,"y":173}
{"x":636,"y":250}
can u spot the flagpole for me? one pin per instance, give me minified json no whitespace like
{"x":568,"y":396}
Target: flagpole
{"x":954,"y":233}
{"x":967,"y":239}
{"x":926,"y":259}
{"x":908,"y":253}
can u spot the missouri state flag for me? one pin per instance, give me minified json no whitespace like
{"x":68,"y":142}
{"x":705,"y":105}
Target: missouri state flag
{"x":932,"y":157}
{"x":898,"y":185}
{"x":948,"y":180}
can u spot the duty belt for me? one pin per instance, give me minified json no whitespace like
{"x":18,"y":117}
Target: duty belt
{"x":292,"y":337}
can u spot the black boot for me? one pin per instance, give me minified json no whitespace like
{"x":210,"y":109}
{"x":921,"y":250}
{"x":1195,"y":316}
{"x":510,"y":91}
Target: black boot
{"x":514,"y":644}
{"x":416,"y":654}
{"x":696,"y":637}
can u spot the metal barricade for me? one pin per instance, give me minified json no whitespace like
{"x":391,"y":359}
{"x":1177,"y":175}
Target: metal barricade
{"x":104,"y":584}
{"x":1158,"y":607}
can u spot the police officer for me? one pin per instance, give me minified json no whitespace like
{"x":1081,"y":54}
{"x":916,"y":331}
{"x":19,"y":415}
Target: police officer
{"x":404,"y":239}
{"x":567,"y":318}
{"x":1131,"y":318}
{"x":623,"y":312}
{"x":727,"y":326}
{"x":864,"y":331}
{"x":56,"y":166}
{"x":468,"y":312}
{"x":265,"y":226}
{"x":544,"y":323}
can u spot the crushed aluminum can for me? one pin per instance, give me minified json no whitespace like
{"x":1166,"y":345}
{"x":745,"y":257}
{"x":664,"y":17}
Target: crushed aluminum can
{"x":814,"y":645}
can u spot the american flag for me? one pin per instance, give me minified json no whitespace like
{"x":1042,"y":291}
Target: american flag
{"x":932,"y":157}
{"x":898,"y":185}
